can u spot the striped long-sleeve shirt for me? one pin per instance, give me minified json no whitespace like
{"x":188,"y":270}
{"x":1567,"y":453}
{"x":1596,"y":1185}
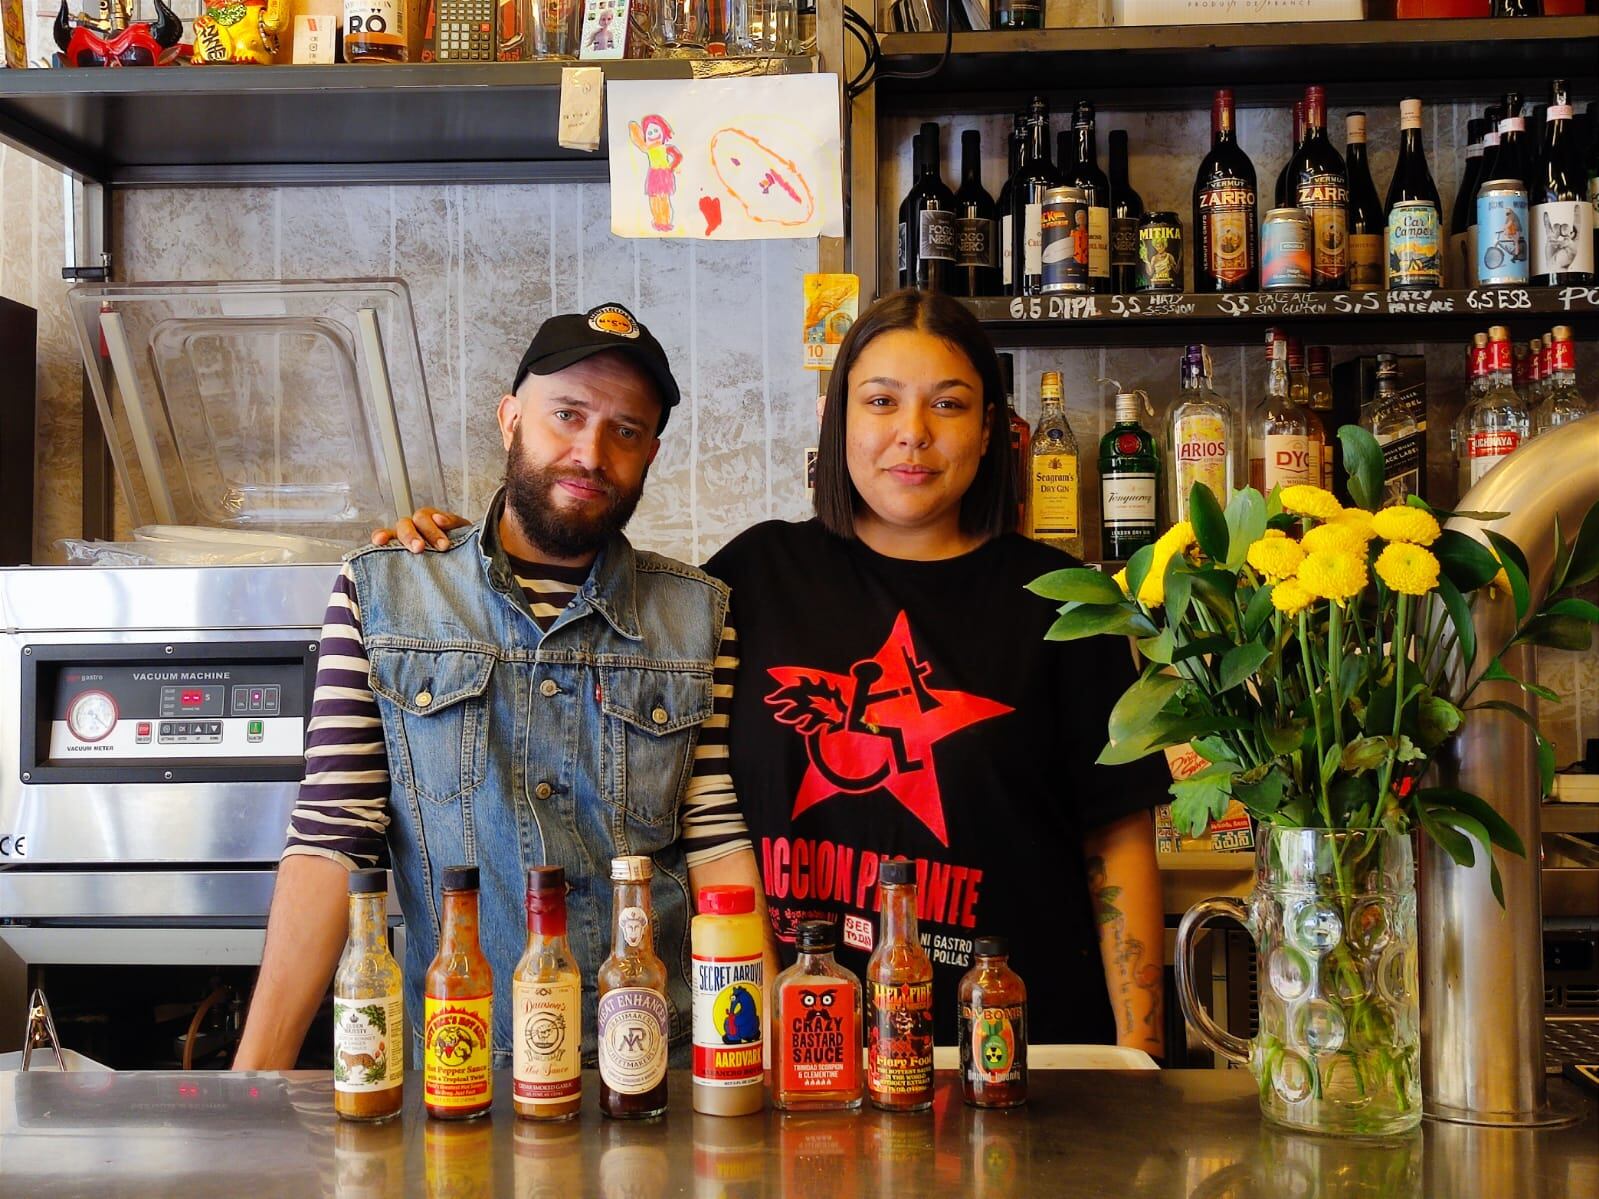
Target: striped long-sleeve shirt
{"x":342,"y":809}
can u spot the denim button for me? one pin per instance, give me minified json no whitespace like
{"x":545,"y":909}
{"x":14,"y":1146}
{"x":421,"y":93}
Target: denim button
{"x":543,"y":791}
{"x":424,"y":698}
{"x":658,"y":716}
{"x":548,"y":688}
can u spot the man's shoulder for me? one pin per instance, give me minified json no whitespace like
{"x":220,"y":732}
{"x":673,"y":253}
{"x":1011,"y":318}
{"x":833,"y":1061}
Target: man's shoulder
{"x":670,"y":572}
{"x":384,"y":556}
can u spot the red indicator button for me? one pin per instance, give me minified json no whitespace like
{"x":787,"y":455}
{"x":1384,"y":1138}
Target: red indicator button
{"x":192,"y":699}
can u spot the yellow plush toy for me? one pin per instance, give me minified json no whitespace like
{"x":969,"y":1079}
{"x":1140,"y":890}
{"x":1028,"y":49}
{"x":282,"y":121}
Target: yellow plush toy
{"x":238,"y":31}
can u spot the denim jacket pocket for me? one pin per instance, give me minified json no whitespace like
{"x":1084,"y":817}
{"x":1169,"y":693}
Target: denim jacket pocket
{"x":442,"y":709}
{"x":651,"y":718}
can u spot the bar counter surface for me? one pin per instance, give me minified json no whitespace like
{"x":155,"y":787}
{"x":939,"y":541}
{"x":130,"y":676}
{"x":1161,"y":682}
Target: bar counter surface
{"x":1195,"y":1134}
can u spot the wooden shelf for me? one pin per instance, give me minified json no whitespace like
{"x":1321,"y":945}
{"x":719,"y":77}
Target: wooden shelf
{"x":414,"y":123}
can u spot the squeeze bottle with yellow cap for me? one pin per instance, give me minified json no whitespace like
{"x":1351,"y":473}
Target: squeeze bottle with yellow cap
{"x":729,"y":989}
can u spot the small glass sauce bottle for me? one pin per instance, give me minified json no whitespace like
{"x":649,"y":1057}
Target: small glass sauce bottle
{"x":993,"y":1029}
{"x":546,"y":1008}
{"x":728,"y":944}
{"x":368,"y":1010}
{"x":816,"y":1036}
{"x":458,"y":1009}
{"x":634,"y":1024}
{"x":899,"y":1000}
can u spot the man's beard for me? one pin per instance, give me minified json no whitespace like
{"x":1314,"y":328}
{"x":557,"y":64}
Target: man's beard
{"x":562,"y":532}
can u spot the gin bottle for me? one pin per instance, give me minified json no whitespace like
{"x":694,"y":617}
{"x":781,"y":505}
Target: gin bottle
{"x":1052,"y":483}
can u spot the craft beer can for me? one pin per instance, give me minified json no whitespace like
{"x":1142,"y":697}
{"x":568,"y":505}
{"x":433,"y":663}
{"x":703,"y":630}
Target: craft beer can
{"x":1285,"y":250}
{"x":1415,"y":245}
{"x":1160,"y":252}
{"x":1064,"y":225}
{"x":1502,"y":246}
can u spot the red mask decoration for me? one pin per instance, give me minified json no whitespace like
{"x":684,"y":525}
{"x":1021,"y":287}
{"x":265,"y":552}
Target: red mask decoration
{"x":142,"y":44}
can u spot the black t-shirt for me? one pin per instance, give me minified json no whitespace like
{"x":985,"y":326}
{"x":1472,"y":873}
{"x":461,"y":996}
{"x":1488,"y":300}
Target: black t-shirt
{"x":889,"y":708}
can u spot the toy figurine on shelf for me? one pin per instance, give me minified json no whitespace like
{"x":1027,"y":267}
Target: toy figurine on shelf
{"x":114,"y":38}
{"x":239,"y":31}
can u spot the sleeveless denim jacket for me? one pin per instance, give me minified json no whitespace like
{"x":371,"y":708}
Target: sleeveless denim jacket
{"x":509,"y":748}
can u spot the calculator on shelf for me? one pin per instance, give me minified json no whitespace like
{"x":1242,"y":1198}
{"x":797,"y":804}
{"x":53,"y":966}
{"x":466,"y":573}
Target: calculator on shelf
{"x":459,"y":31}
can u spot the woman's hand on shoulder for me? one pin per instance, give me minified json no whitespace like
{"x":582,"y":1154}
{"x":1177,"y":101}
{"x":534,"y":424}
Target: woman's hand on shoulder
{"x":423,"y":528}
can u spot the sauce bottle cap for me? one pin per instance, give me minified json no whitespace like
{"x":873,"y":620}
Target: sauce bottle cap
{"x":632,"y":869}
{"x":814,"y":936}
{"x":460,"y":878}
{"x":992,"y":947}
{"x":732,"y":900}
{"x":369,"y":882}
{"x":896,"y":873}
{"x":546,"y":878}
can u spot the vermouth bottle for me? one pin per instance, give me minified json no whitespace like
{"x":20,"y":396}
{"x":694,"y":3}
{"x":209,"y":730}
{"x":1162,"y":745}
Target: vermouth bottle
{"x":1415,"y":256}
{"x":1226,"y":253}
{"x":976,"y":262}
{"x":1364,"y":219}
{"x":1562,"y":214}
{"x":929,"y":258}
{"x":1283,"y":194}
{"x":1320,"y":185}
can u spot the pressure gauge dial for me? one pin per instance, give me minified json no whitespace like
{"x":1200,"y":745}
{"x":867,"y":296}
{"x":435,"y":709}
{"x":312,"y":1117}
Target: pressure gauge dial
{"x":91,"y":716}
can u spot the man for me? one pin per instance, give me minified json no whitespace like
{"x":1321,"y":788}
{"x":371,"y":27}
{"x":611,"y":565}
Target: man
{"x":534,"y":694}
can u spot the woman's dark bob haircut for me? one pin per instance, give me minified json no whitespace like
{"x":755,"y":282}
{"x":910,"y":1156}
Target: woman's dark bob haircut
{"x":988,"y":508}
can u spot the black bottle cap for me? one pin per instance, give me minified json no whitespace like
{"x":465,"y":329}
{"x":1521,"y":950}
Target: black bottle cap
{"x":369,"y":882}
{"x":897,"y":873}
{"x":930,"y":141}
{"x":460,"y":878}
{"x":546,"y":878}
{"x":815,"y":936}
{"x":992,"y":947}
{"x":1007,"y":372}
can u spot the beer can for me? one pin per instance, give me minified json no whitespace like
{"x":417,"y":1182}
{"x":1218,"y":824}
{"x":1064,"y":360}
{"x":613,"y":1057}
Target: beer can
{"x":1285,"y":250}
{"x":1064,"y":225}
{"x":1160,"y":252}
{"x":1415,"y":245}
{"x":1502,"y":246}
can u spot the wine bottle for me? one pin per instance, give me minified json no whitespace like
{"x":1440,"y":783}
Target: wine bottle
{"x":1033,"y":178}
{"x":1460,"y":249}
{"x":1561,"y":213}
{"x":1226,"y":253}
{"x":1414,"y":228}
{"x":1126,"y":206}
{"x":976,"y":265}
{"x":1018,"y":137}
{"x":1281,"y":195}
{"x":1365,"y":218}
{"x":1592,"y":171}
{"x":1319,"y":183}
{"x":1490,"y":159}
{"x":1512,"y":161}
{"x":1085,"y":173}
{"x":1018,"y":14}
{"x":930,"y":224}
{"x":905,"y":256}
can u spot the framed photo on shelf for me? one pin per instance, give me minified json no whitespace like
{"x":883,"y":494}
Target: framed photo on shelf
{"x":604,"y":29}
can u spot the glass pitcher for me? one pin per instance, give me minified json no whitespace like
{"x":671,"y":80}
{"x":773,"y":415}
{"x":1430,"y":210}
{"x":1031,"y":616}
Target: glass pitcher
{"x":554,"y":29}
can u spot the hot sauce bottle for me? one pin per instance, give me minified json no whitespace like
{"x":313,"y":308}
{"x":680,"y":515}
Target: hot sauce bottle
{"x":634,"y":1025}
{"x":546,"y":1007}
{"x":728,"y":945}
{"x":899,"y":1001}
{"x":993,"y":1029}
{"x":816,"y":1037}
{"x":368,"y":1009}
{"x":458,"y":1009}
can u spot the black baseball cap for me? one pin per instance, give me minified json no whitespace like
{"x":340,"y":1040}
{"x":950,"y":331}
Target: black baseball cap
{"x":566,"y":340}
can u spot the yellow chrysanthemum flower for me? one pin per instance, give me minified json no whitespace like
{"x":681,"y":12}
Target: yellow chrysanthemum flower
{"x":1120,"y":579}
{"x":1175,"y":540}
{"x":1289,"y":597}
{"x":1408,"y":569}
{"x":1401,"y":522}
{"x":1276,"y":557}
{"x":1304,"y":500}
{"x":1274,"y":533}
{"x":1333,"y":536}
{"x":1357,"y":521}
{"x":1335,"y":575}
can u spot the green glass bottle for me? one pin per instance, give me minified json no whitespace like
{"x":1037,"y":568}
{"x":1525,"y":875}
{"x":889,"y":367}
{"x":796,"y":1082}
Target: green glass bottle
{"x":1129,"y":469}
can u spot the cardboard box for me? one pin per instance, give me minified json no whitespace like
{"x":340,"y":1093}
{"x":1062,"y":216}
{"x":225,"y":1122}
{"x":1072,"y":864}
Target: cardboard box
{"x":1234,"y":832}
{"x":1233,"y":12}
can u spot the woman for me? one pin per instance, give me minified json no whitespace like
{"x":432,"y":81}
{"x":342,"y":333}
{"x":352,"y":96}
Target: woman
{"x":894,"y":696}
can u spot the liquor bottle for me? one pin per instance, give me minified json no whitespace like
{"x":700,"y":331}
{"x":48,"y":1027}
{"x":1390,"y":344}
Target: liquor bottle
{"x":899,"y":1000}
{"x":1319,"y":184}
{"x":1201,"y":436}
{"x":1279,"y":432}
{"x":906,"y":221}
{"x":930,"y":223}
{"x":1496,"y":422}
{"x":374,"y":31}
{"x":1477,"y":386}
{"x":816,"y":1035}
{"x":1365,"y":217}
{"x":1033,"y":178}
{"x":1591,"y":169}
{"x":1458,"y":272}
{"x":1321,"y":404}
{"x":458,"y":1009}
{"x":976,"y":238}
{"x":1533,"y":396}
{"x":1395,"y":429}
{"x":634,"y":1022}
{"x":368,"y":1009}
{"x":1014,"y":146}
{"x":1282,"y":195}
{"x":1084,"y":172}
{"x":1018,"y":14}
{"x":1126,"y":206}
{"x":1562,"y":214}
{"x":1521,"y":374}
{"x":1516,"y":8}
{"x":992,"y":1002}
{"x":546,"y":1008}
{"x":1415,"y":255}
{"x":1226,"y":252}
{"x":1052,"y":479}
{"x":1318,"y":440}
{"x":1562,"y":402}
{"x":1129,"y":472}
{"x":1021,"y":437}
{"x":728,"y":945}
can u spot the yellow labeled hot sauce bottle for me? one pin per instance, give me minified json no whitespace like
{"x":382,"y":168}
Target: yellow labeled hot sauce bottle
{"x":634,"y":1022}
{"x":368,"y":1010}
{"x":458,"y":1010}
{"x":728,"y":945}
{"x":546,"y":1007}
{"x":899,"y":1000}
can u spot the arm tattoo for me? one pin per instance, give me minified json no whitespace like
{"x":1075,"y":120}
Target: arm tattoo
{"x":1126,"y":951}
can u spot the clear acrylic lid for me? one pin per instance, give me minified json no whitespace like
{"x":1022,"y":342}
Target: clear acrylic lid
{"x":280,"y":406}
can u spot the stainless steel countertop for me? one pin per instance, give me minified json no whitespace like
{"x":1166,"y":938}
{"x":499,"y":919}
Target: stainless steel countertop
{"x":1196,"y":1134}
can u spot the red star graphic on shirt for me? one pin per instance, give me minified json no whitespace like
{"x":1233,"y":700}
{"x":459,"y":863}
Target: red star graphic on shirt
{"x":875,"y":727}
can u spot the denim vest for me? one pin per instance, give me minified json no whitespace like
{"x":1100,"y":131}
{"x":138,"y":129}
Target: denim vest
{"x":509,"y":748}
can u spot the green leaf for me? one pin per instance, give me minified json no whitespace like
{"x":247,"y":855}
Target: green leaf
{"x":1546,"y":767}
{"x":1466,"y":561}
{"x":1215,"y":589}
{"x":1283,"y":739}
{"x":1159,"y":648}
{"x":1238,"y":663}
{"x":1164,"y":731}
{"x":1456,"y":845}
{"x":1201,"y":645}
{"x":1557,"y":577}
{"x":1264,"y":796}
{"x":1363,"y":461}
{"x":1329,"y":763}
{"x":1246,"y":524}
{"x":1436,"y":720}
{"x":1210,"y":525}
{"x":1499,"y":830}
{"x":1515,"y":566}
{"x":1139,"y":703}
{"x":1179,"y":583}
{"x":1353,"y":794}
{"x":1556,"y":632}
{"x":1089,"y":620}
{"x":1571,"y":606}
{"x":1459,"y":616}
{"x":1365,"y":753}
{"x":1080,"y":584}
{"x":1443,"y":514}
{"x":1138,"y":568}
{"x":1473,"y":828}
{"x":1214,"y":749}
{"x":1585,"y":551}
{"x":1257,"y":612}
{"x":1274,"y":508}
